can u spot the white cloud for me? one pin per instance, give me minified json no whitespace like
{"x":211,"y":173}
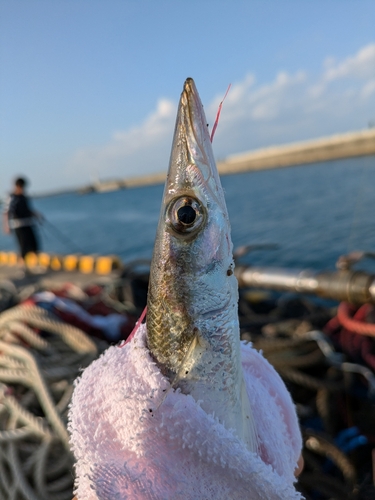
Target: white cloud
{"x":139,"y":150}
{"x":153,"y":127}
{"x":362,"y":65}
{"x":297,"y":107}
{"x":239,"y":90}
{"x":289,"y":108}
{"x":368,"y":89}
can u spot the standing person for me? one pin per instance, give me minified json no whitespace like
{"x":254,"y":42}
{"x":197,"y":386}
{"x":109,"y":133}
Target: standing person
{"x":20,"y":218}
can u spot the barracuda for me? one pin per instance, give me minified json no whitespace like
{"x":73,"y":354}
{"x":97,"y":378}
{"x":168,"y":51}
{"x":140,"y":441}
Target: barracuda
{"x":192,"y":318}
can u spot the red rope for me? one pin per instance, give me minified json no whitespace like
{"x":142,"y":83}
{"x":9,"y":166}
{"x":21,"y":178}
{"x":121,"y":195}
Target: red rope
{"x":351,"y":333}
{"x":357,"y":325}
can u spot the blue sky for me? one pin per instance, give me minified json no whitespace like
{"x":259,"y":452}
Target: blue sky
{"x":88,"y":89}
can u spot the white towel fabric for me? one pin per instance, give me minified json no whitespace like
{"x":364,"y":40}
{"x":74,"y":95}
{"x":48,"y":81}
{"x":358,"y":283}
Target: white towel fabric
{"x":135,"y":438}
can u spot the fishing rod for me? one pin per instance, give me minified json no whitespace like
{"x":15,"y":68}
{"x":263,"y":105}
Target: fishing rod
{"x":61,"y":237}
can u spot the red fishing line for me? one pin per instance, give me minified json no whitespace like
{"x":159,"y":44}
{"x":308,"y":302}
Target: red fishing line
{"x":135,"y":329}
{"x":218,"y":114}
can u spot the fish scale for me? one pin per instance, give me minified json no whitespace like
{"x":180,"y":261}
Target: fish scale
{"x":192,"y":306}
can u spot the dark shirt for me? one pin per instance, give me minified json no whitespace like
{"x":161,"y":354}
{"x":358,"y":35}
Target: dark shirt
{"x":19,"y":211}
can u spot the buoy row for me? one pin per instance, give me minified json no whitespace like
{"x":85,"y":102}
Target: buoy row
{"x":85,"y":264}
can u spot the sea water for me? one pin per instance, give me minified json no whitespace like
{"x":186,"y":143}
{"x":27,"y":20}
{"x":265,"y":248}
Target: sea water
{"x":312,"y":213}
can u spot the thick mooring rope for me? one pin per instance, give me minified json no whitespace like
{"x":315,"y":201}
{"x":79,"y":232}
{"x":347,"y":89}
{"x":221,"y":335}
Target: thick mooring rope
{"x":37,"y":371}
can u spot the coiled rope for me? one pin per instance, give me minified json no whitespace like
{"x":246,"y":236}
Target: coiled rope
{"x":36,"y":382}
{"x":345,"y":313}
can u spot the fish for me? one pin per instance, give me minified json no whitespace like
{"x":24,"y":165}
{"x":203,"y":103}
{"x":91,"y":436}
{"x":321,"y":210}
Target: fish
{"x":192,"y":306}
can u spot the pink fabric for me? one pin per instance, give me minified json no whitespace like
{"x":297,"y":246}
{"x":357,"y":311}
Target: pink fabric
{"x":136,"y":438}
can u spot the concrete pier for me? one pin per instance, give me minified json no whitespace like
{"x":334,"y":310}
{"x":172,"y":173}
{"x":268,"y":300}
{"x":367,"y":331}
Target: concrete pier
{"x":351,"y":144}
{"x":338,"y":146}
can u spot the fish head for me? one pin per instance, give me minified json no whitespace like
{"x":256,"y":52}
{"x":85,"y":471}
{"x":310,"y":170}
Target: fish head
{"x":191,"y":278}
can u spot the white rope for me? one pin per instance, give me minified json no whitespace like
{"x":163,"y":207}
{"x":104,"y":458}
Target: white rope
{"x":37,"y":371}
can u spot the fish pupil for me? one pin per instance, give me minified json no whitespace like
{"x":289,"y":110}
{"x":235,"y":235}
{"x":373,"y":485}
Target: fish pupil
{"x":186,"y":215}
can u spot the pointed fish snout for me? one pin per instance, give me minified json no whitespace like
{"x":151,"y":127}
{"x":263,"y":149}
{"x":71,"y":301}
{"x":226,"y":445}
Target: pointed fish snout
{"x":192,"y":161}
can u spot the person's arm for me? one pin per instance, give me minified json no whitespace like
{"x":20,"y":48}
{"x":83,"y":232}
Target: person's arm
{"x":6,"y":227}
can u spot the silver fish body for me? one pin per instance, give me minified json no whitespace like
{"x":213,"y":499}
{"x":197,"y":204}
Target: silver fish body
{"x":192,"y":316}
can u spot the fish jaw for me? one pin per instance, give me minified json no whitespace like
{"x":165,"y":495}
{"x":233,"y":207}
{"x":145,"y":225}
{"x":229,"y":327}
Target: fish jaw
{"x":192,"y":318}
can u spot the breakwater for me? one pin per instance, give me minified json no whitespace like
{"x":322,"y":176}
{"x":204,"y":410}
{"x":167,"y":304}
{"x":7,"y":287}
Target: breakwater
{"x":351,"y":144}
{"x":334,"y":147}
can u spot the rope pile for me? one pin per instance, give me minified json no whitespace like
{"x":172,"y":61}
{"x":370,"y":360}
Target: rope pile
{"x":327,"y":366}
{"x":40,"y":356}
{"x":332,"y":385}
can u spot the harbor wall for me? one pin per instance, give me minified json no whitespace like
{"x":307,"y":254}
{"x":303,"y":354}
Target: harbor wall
{"x":335,"y":147}
{"x":352,"y":144}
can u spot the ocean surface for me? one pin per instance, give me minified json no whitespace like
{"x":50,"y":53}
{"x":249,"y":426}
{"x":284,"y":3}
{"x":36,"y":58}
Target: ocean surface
{"x":313,"y":213}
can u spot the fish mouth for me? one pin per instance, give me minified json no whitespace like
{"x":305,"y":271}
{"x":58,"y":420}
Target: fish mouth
{"x":195,"y":128}
{"x":195,"y":115}
{"x":192,"y":164}
{"x":191,"y":127}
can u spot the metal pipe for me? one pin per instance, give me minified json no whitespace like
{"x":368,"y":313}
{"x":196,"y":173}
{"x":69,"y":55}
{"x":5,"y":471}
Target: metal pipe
{"x":357,"y":287}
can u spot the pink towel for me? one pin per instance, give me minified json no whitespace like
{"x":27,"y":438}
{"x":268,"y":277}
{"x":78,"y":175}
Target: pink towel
{"x":136,"y":438}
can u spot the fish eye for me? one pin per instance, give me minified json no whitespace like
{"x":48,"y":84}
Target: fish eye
{"x":186,"y":214}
